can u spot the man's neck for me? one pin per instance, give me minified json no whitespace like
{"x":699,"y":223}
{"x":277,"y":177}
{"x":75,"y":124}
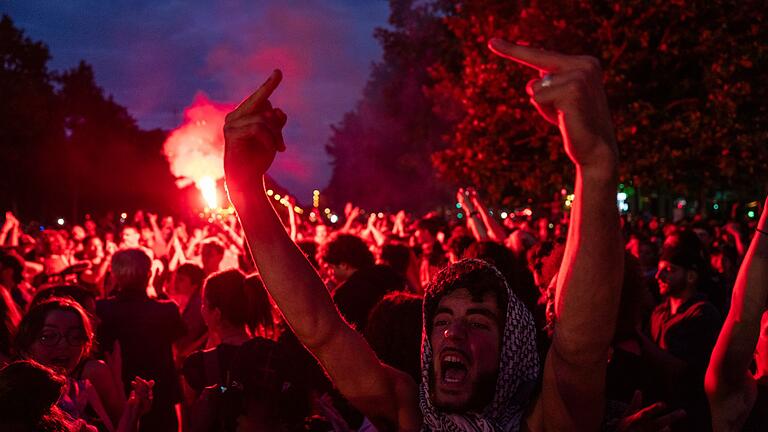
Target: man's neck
{"x":679,"y":299}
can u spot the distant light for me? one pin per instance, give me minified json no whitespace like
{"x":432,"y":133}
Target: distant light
{"x":716,"y":206}
{"x":380,"y":215}
{"x":624,"y":207}
{"x":270,"y":192}
{"x":504,"y":215}
{"x":315,"y":192}
{"x":563,"y":191}
{"x":60,"y":221}
{"x":42,"y":228}
{"x":207,"y":186}
{"x":277,"y":197}
{"x":459,"y":215}
{"x":527,"y":212}
{"x":570,"y":197}
{"x":750,"y":213}
{"x":621,"y":196}
{"x":621,"y":185}
{"x":297,"y":209}
{"x":327,"y":211}
{"x":458,"y":205}
{"x":123,"y":215}
{"x":551,"y":226}
{"x":334,"y":218}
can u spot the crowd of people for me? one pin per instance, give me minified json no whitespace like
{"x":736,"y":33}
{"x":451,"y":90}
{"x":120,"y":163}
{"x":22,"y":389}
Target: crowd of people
{"x":391,"y":321}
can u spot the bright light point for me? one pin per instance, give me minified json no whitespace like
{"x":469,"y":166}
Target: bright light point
{"x":207,"y":186}
{"x":563,"y":191}
{"x":327,"y":211}
{"x":60,"y":221}
{"x":380,"y":215}
{"x":551,"y":226}
{"x":123,"y":215}
{"x":527,"y":212}
{"x":315,"y":192}
{"x":334,"y":218}
{"x":460,"y":215}
{"x":504,"y":215}
{"x":277,"y":197}
{"x":716,"y":206}
{"x":570,"y":197}
{"x":270,"y":192}
{"x":458,"y":205}
{"x":567,"y":203}
{"x":750,"y":213}
{"x":624,"y":207}
{"x":621,"y":196}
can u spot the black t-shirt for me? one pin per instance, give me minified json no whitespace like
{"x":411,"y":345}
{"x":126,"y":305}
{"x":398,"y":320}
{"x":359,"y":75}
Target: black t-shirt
{"x":146,"y":329}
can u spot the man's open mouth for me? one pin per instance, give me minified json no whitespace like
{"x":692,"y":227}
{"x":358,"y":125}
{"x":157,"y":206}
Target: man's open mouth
{"x":453,"y":368}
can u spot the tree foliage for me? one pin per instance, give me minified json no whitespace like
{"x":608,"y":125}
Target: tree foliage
{"x":381,"y":150}
{"x":683,"y":79}
{"x":64,"y":145}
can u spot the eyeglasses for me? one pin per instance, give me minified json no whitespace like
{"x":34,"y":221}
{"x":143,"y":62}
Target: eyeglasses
{"x":74,"y":338}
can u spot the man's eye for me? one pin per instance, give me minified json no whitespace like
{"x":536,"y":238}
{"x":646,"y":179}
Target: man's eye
{"x":441,"y":323}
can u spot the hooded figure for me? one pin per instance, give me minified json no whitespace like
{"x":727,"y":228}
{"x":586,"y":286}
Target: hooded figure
{"x":518,"y":368}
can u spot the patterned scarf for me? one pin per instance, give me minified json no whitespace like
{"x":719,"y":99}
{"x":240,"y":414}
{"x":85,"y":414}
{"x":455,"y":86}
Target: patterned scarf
{"x":518,"y":372}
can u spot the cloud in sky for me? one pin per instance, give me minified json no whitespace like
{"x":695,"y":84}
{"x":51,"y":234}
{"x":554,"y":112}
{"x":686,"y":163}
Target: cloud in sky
{"x":155,"y":56}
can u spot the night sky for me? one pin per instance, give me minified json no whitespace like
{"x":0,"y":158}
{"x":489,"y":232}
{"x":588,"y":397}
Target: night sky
{"x":155,"y":56}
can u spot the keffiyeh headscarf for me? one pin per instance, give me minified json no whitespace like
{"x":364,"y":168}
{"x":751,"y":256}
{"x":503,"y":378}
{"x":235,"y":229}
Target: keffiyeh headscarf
{"x":518,"y":362}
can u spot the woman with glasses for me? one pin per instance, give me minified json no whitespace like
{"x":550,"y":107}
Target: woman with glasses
{"x":58,"y":334}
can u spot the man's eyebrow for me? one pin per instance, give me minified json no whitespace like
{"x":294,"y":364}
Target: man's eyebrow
{"x":444,"y":310}
{"x":482,"y":311}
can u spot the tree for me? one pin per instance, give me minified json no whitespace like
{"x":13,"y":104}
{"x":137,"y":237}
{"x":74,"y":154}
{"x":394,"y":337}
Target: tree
{"x":681,"y":77}
{"x":381,"y":150}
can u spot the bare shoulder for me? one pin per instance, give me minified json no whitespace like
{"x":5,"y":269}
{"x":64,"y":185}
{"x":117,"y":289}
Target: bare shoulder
{"x":407,"y":393}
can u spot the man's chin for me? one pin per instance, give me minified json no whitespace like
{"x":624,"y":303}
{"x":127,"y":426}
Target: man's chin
{"x":452,"y":402}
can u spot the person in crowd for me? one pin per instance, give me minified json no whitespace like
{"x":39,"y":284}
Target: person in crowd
{"x":9,"y":321}
{"x":390,"y":331}
{"x":472,"y":319}
{"x":738,"y":394}
{"x":244,"y":379}
{"x":12,"y":278}
{"x":58,"y":333}
{"x":146,"y":329}
{"x":683,"y":330}
{"x":211,"y":255}
{"x":189,"y":284}
{"x":342,"y":255}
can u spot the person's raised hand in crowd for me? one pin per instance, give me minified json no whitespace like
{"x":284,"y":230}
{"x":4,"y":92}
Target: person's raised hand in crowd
{"x":253,"y":136}
{"x":570,"y":95}
{"x":653,"y":418}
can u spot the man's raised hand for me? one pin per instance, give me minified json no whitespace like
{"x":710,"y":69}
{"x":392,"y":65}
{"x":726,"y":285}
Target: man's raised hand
{"x":571,"y":97}
{"x":252,"y":136}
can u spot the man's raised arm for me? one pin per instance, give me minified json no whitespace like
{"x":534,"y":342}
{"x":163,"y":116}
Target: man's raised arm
{"x":253,"y":135}
{"x":570,"y":95}
{"x":731,"y":388}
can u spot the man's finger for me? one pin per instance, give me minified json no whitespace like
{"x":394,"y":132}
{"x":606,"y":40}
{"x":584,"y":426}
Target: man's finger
{"x":260,"y":96}
{"x":544,"y":61}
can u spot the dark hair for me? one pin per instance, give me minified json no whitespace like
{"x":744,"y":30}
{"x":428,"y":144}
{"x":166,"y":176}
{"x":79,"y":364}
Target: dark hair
{"x":394,"y":331}
{"x":348,"y":249}
{"x":13,"y":261}
{"x":359,"y":294}
{"x":76,"y":293}
{"x":131,"y":270}
{"x":28,"y":395}
{"x":192,"y":271}
{"x":397,"y":256}
{"x":476,"y":276}
{"x":241,"y":301}
{"x":459,"y":244}
{"x":32,"y":323}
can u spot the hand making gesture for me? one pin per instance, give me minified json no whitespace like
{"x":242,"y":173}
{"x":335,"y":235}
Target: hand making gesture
{"x":569,"y":94}
{"x":252,"y":136}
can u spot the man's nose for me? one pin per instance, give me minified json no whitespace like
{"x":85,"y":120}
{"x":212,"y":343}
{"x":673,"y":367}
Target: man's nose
{"x":457,"y":330}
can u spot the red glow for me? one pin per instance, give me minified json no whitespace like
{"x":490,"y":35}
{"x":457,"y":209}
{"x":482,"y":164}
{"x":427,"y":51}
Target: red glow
{"x":195,"y":149}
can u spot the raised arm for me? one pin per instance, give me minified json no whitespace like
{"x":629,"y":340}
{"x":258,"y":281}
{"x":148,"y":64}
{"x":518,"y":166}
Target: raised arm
{"x":731,"y":388}
{"x":570,"y":95}
{"x":253,"y":135}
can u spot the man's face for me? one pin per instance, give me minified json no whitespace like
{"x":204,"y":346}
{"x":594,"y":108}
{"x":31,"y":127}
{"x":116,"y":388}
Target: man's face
{"x":130,"y":237}
{"x":465,"y":343}
{"x":671,"y":278}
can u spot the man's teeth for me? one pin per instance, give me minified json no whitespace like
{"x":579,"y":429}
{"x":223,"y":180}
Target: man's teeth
{"x":453,"y":359}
